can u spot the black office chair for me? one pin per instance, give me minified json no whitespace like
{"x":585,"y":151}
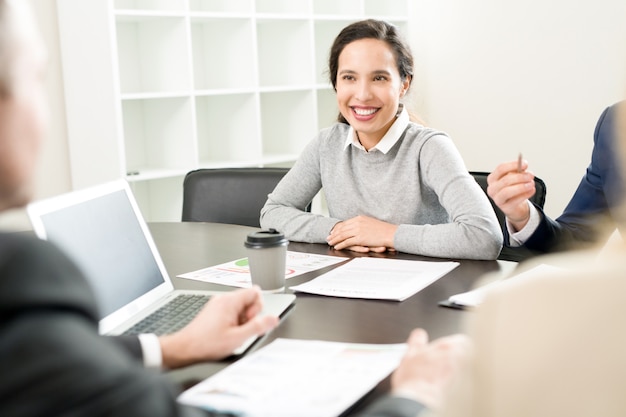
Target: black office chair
{"x":539,"y":198}
{"x":512,"y":254}
{"x":229,"y":195}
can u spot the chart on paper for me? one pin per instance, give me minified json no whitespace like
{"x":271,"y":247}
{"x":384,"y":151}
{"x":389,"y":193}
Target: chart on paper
{"x":237,"y":273}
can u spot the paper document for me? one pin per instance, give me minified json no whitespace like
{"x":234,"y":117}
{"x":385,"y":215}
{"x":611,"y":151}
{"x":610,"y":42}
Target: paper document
{"x":475,"y":297}
{"x":377,"y":278}
{"x":237,"y":273}
{"x":292,"y":377}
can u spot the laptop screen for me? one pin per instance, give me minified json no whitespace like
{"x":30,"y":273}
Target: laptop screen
{"x":104,"y":238}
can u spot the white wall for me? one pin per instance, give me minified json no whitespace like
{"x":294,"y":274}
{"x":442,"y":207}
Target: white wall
{"x":500,"y":76}
{"x":532,"y":76}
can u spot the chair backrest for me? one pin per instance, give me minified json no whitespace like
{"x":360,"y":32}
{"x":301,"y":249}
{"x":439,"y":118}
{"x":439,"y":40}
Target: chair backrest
{"x":228,"y":195}
{"x":539,"y":198}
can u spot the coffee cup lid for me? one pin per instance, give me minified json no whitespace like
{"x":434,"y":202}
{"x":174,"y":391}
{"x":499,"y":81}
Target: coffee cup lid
{"x":265,"y":238}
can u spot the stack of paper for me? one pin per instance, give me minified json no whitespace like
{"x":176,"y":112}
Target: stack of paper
{"x":475,"y":297}
{"x":377,"y":278}
{"x":297,"y":378}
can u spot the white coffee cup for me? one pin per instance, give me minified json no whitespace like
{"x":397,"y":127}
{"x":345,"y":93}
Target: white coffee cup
{"x":267,"y":257}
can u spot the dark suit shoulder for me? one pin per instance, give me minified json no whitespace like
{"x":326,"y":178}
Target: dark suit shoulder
{"x":52,"y":360}
{"x":36,"y":274}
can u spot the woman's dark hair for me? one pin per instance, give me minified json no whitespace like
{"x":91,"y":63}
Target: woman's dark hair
{"x":371,"y":29}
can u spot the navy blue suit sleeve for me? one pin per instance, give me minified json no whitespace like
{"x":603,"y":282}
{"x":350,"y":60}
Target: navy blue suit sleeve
{"x":595,"y":201}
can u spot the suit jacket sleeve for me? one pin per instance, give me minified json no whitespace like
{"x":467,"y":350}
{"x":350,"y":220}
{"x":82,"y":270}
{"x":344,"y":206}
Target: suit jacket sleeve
{"x":595,"y":201}
{"x":52,"y":360}
{"x":129,"y":343}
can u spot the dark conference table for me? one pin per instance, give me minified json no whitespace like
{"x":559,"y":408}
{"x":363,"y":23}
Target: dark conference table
{"x":186,"y":247}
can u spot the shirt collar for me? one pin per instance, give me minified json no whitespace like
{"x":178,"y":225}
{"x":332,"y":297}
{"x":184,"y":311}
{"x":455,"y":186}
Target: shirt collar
{"x":390,"y":138}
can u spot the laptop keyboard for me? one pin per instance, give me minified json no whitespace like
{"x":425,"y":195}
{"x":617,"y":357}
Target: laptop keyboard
{"x":172,"y":316}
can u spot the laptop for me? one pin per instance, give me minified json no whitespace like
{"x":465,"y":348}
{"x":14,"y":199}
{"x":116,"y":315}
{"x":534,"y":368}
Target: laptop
{"x":101,"y":229}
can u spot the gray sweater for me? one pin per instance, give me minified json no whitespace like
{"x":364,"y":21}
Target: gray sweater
{"x":420,"y":184}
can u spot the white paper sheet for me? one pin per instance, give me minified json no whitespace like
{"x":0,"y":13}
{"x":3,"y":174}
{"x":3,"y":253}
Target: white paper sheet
{"x":475,"y":297}
{"x":237,"y":273}
{"x":377,"y":278}
{"x":292,"y":377}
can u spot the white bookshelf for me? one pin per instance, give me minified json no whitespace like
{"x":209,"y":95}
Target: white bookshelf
{"x":156,"y":88}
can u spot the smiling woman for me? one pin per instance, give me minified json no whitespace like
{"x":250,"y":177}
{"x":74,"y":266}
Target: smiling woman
{"x":369,"y":89}
{"x":390,"y":183}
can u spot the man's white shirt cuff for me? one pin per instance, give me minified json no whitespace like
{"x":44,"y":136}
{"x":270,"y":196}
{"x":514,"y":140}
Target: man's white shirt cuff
{"x":151,"y":349}
{"x":518,"y":238}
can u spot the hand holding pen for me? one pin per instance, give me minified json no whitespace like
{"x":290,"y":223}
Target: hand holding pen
{"x":510,"y":186}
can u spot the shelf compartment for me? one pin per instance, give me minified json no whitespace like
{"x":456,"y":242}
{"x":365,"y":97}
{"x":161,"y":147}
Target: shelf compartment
{"x":159,"y":135}
{"x":386,"y":8}
{"x":327,"y":109}
{"x":340,"y":8}
{"x":297,"y":7}
{"x":223,"y":62}
{"x":222,"y":6}
{"x":227,"y":129}
{"x":282,"y":52}
{"x":325,"y":33}
{"x":153,"y":54}
{"x":167,"y":5}
{"x":288,"y":122}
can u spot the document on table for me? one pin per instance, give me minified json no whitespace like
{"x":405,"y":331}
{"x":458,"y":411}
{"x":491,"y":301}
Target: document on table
{"x":377,"y":278}
{"x":475,"y":297}
{"x":291,"y":377}
{"x":237,"y":273}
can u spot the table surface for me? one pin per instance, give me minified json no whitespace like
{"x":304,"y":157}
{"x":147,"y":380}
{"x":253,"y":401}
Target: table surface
{"x":186,"y":247}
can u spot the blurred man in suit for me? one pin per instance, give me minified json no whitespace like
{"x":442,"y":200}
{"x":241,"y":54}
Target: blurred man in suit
{"x":52,"y":360}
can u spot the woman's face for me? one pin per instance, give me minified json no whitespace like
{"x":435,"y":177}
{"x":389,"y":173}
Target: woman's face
{"x":23,"y":113}
{"x":369,"y":88}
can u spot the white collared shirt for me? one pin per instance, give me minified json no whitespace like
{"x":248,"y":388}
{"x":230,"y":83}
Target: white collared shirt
{"x":390,"y":138}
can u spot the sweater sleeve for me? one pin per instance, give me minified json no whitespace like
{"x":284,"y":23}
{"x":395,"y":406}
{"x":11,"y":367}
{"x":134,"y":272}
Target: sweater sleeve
{"x":285,"y":206}
{"x":473,"y":231}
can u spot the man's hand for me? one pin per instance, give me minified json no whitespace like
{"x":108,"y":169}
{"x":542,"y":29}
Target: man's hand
{"x":224,"y":323}
{"x":362,"y":234}
{"x":427,"y":369}
{"x":510,"y":188}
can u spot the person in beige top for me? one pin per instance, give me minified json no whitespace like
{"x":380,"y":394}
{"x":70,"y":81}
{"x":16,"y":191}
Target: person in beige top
{"x":551,"y":346}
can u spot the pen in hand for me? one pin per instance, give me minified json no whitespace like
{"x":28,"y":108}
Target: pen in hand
{"x":519,"y":162}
